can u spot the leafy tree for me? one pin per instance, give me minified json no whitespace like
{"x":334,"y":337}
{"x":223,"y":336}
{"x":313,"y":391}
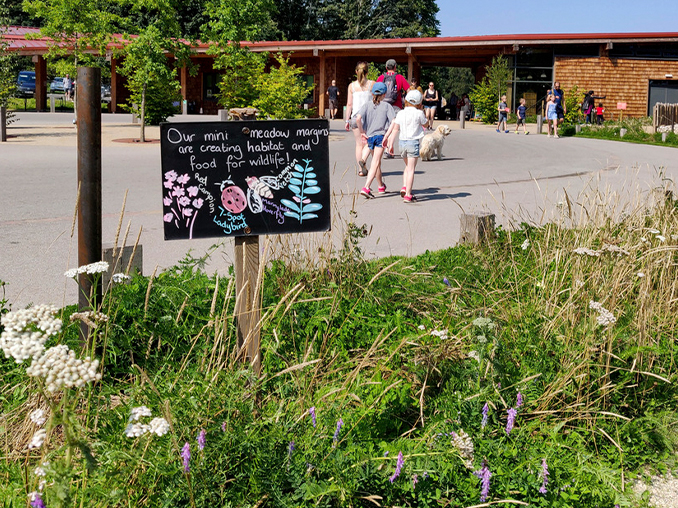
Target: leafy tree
{"x":149,"y":75}
{"x":485,"y":95}
{"x":448,"y":79}
{"x":356,"y":19}
{"x":281,"y":91}
{"x":7,"y":65}
{"x":76,"y":27}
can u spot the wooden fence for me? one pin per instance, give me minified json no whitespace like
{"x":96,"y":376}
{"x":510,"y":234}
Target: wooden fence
{"x":664,"y":114}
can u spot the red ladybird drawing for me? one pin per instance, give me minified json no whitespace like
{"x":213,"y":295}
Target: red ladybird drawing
{"x":232,"y":197}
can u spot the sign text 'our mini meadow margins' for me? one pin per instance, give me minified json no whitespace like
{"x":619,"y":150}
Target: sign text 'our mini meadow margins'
{"x":245,"y":178}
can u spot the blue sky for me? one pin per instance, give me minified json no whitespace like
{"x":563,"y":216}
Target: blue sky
{"x":489,"y":17}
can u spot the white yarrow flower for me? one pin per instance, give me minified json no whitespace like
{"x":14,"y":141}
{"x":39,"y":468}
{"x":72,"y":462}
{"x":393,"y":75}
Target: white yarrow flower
{"x":138,"y":412}
{"x":27,"y":330}
{"x":526,"y":244}
{"x":92,"y":268}
{"x":640,"y":274}
{"x":586,"y":251}
{"x":463,"y":443}
{"x":137,"y":429}
{"x":120,"y":277}
{"x":38,"y":439}
{"x":439,"y":333}
{"x":159,"y":427}
{"x":38,"y":417}
{"x":61,"y":368}
{"x":605,"y":317}
{"x":421,"y":327}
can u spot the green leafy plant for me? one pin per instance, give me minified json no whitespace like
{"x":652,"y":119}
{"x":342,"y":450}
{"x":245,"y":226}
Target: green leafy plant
{"x":485,"y":95}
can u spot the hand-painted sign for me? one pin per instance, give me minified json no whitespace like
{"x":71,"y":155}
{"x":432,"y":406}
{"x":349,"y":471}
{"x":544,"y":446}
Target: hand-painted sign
{"x":621,"y":105}
{"x":245,"y":178}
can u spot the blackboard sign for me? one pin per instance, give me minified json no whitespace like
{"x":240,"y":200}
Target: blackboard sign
{"x":245,"y":178}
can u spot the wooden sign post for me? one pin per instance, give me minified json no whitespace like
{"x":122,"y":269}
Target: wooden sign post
{"x":245,"y":179}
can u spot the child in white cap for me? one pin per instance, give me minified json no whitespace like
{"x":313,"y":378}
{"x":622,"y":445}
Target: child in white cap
{"x":409,"y":122}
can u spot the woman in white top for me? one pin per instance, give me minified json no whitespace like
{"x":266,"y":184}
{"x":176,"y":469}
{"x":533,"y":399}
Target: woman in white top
{"x":359,"y":93}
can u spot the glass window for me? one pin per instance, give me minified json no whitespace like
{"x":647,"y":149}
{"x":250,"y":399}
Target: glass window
{"x":210,"y":86}
{"x":534,"y":57}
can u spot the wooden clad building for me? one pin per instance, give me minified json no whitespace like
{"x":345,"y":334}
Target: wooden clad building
{"x":635,"y":69}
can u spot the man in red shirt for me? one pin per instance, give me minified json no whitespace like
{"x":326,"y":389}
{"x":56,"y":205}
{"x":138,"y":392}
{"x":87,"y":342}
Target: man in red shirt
{"x":396,"y":85}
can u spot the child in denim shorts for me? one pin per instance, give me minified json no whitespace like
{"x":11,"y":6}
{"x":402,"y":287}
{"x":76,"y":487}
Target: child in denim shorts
{"x":373,"y":121}
{"x":409,"y":123}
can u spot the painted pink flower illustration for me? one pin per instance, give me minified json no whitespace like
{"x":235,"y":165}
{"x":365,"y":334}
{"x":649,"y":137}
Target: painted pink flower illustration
{"x":179,"y":204}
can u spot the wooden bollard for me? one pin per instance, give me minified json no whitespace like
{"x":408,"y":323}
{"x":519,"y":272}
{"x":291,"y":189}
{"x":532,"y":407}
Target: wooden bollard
{"x":476,"y":227}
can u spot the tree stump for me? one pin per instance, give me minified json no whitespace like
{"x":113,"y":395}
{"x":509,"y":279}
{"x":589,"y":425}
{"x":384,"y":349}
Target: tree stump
{"x":476,"y":227}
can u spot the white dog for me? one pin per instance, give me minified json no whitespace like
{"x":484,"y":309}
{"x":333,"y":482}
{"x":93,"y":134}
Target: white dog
{"x":432,"y":143}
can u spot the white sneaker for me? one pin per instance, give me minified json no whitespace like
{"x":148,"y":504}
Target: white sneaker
{"x":556,"y":136}
{"x":548,"y":136}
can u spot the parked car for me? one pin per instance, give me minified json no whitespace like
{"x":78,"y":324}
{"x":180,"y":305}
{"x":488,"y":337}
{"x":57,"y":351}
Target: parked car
{"x":105,"y":93}
{"x":25,"y":84}
{"x":57,"y":85}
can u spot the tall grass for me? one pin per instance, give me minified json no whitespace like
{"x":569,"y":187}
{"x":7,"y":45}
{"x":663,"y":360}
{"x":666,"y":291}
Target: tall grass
{"x":394,"y":348}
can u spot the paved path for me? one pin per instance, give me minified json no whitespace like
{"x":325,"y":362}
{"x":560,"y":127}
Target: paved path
{"x":516,"y":177}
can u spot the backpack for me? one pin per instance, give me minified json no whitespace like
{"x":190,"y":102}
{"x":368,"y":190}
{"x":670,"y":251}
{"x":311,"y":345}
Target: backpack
{"x":586,"y":104}
{"x":391,"y":94}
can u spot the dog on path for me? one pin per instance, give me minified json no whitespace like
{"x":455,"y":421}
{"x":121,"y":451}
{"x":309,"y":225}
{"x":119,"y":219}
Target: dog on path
{"x":432,"y":144}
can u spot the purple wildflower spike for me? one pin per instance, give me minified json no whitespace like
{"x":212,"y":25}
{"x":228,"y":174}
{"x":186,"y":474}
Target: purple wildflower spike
{"x":445,"y":281}
{"x":425,"y":475}
{"x":399,"y":465}
{"x":340,"y":423}
{"x":544,"y":476}
{"x":519,"y":400}
{"x":186,"y":455}
{"x":202,"y":441}
{"x":486,"y":409}
{"x":484,"y":474}
{"x":223,"y":427}
{"x":415,"y":480}
{"x":311,"y":411}
{"x":37,"y":501}
{"x":290,"y":449}
{"x":511,"y":420}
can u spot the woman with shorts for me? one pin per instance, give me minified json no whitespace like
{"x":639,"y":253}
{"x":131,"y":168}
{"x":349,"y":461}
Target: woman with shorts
{"x":359,"y":94}
{"x":430,"y":104}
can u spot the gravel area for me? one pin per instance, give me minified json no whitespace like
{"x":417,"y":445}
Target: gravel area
{"x":663,"y":490}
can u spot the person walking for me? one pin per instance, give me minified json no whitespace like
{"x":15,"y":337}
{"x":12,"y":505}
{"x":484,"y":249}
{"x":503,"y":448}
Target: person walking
{"x":521,"y":113}
{"x":409,"y":123}
{"x":561,"y":107}
{"x":430,"y":104}
{"x":503,"y":115}
{"x":68,"y":87}
{"x":359,"y":94}
{"x":373,"y":120}
{"x":396,"y":84}
{"x":552,"y":115}
{"x":333,"y":96}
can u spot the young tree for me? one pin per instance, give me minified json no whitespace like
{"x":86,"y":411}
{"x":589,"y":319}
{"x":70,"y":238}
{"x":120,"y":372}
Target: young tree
{"x":281,"y":91}
{"x":150,"y":75}
{"x":485,"y":95}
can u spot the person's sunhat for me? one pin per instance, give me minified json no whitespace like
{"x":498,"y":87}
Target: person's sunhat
{"x":414,"y":97}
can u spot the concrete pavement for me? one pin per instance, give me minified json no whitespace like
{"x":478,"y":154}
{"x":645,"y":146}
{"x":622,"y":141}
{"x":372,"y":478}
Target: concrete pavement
{"x":517,"y":177}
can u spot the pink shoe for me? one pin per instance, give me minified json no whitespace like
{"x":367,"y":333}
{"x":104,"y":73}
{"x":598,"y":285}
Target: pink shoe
{"x":382,"y":189}
{"x":366,"y":192}
{"x":403,"y":191}
{"x":409,"y":199}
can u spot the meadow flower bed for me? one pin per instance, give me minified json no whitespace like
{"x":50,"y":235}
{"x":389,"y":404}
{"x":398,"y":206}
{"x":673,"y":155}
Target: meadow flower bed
{"x":539,"y":369}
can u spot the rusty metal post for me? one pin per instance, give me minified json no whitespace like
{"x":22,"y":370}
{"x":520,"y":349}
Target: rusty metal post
{"x":3,"y":124}
{"x":88,"y":97}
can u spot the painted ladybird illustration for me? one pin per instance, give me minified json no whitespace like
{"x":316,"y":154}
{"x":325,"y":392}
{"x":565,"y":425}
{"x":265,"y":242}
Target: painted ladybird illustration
{"x":232,"y":197}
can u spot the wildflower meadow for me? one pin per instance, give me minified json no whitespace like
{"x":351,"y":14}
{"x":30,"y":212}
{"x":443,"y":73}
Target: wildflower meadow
{"x":537,"y":369}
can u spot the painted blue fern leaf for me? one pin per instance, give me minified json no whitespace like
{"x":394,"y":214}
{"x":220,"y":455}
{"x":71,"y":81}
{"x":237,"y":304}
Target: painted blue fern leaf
{"x":304,"y":184}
